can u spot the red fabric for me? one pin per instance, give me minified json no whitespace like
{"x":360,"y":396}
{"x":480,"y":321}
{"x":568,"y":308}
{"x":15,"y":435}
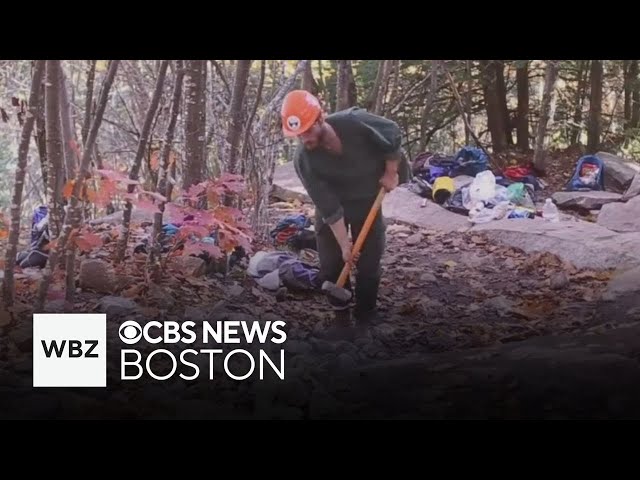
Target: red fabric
{"x":517,"y":173}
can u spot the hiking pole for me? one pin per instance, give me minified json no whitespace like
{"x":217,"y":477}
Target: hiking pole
{"x":337,"y":290}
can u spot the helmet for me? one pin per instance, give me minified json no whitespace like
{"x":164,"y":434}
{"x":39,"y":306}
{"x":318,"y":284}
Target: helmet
{"x":300,"y":109}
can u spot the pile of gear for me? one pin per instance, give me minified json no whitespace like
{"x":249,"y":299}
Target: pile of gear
{"x":37,"y":254}
{"x":464,"y":184}
{"x":293,"y":239}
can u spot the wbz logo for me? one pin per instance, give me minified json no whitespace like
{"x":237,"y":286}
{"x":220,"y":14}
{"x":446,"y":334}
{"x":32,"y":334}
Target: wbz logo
{"x":69,"y":350}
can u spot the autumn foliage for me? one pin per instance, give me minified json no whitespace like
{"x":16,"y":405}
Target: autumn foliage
{"x":216,"y":230}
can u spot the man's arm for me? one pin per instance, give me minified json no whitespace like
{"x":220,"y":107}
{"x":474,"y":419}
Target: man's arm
{"x":386,"y":136}
{"x":325,"y":201}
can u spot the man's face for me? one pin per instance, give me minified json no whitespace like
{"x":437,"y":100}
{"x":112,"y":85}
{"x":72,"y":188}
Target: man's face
{"x":312,"y":137}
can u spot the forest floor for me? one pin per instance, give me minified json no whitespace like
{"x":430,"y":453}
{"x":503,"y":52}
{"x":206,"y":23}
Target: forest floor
{"x":439,"y":293}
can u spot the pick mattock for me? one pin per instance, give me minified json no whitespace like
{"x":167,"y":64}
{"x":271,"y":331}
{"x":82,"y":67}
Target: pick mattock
{"x":337,"y":290}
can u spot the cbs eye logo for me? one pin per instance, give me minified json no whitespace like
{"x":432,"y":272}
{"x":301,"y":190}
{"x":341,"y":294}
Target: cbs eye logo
{"x":130,"y":332}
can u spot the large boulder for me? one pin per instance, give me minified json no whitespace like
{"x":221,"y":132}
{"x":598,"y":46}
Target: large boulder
{"x":618,"y":172}
{"x":402,"y":205}
{"x":584,"y":244}
{"x":621,"y":217}
{"x":589,"y":200}
{"x":633,"y":190}
{"x":287,"y":185}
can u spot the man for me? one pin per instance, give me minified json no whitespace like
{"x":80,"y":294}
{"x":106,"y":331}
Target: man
{"x":342,"y":161}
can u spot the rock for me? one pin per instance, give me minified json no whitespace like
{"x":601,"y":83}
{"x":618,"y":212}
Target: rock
{"x":322,"y":346}
{"x":190,"y":266}
{"x":96,"y":275}
{"x":384,"y":331}
{"x":583,"y":244}
{"x":287,"y":186}
{"x":633,"y":190}
{"x":397,"y":228}
{"x":402,"y":205}
{"x":414,"y":239}
{"x":235,"y":290}
{"x":622,"y":283}
{"x":293,"y":392}
{"x":116,"y":306}
{"x":618,"y":172}
{"x":591,"y":200}
{"x":621,"y":217}
{"x":428,"y":278}
{"x":558,"y":280}
{"x":501,"y":304}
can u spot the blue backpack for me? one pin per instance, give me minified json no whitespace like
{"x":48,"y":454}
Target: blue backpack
{"x":588,"y":175}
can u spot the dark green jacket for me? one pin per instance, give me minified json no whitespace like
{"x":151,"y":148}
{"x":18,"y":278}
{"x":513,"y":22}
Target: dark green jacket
{"x":331,"y":181}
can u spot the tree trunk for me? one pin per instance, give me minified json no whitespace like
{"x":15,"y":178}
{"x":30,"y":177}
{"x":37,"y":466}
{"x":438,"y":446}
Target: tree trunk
{"x":501,"y":90}
{"x":55,"y":152}
{"x":164,"y":186}
{"x":41,"y":139}
{"x":595,"y":107}
{"x":88,"y":102}
{"x":382,"y":90}
{"x":495,"y":115}
{"x":68,"y":132}
{"x":143,"y":142}
{"x":308,"y":82}
{"x":342,"y":85}
{"x":83,"y":172}
{"x":234,"y":132}
{"x":635,"y":94}
{"x":468,"y":104}
{"x":549,"y":87}
{"x":372,"y":98}
{"x":583,"y":73}
{"x":195,"y":123}
{"x":428,"y":106}
{"x":522,"y":80}
{"x":35,"y":99}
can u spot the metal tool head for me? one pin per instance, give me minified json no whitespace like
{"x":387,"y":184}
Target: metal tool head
{"x":339,"y":294}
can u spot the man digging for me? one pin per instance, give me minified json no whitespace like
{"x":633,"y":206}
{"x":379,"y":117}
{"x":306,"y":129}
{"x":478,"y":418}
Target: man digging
{"x":343,"y":160}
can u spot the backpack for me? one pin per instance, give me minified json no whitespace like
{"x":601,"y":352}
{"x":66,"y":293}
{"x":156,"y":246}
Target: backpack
{"x":470,"y":161}
{"x":290,"y":231}
{"x":37,"y":253}
{"x":588,"y":175}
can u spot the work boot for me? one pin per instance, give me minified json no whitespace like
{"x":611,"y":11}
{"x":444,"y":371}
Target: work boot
{"x":366,"y":318}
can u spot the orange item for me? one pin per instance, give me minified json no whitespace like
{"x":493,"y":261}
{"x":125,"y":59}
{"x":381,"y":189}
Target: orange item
{"x":300,"y":110}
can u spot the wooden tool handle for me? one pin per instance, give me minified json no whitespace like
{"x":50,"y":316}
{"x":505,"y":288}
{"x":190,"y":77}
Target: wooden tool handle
{"x":362,"y":236}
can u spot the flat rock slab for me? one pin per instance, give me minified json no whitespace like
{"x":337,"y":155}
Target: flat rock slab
{"x":400,"y":205}
{"x":633,"y":190}
{"x":592,"y":200}
{"x":621,"y":217}
{"x":286,"y":184}
{"x":585,"y":245}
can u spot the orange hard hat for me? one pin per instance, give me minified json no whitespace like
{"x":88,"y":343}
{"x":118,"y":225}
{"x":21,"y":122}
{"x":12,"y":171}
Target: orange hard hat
{"x":300,"y":109}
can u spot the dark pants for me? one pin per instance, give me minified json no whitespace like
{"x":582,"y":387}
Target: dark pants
{"x":368,"y":268}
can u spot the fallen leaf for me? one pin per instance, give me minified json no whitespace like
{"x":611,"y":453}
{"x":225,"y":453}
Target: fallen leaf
{"x":450,"y":263}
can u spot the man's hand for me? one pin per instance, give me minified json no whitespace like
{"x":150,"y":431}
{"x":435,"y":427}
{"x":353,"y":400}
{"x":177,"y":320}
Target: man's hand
{"x":347,"y":247}
{"x":390,"y":180}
